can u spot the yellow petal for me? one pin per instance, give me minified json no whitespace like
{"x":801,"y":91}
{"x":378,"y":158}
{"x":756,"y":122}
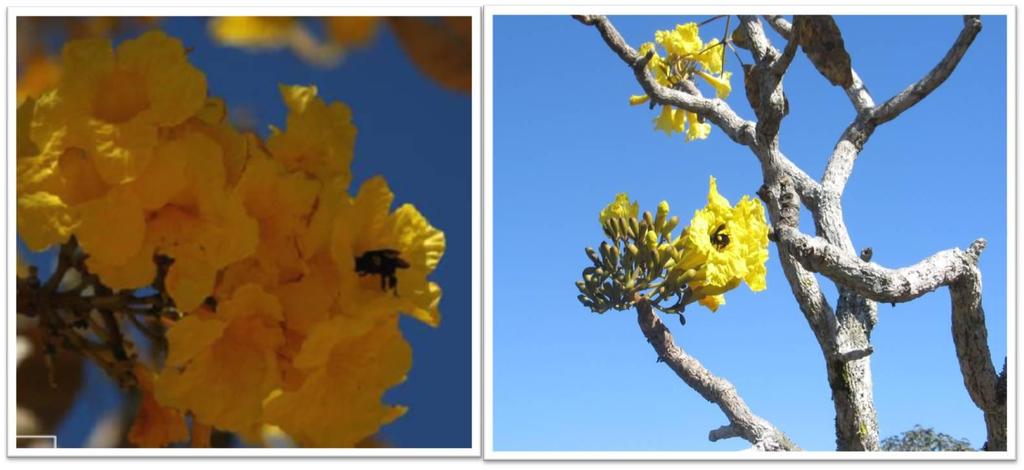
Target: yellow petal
{"x":44,"y":220}
{"x":113,"y":227}
{"x":319,"y":138}
{"x":712,"y":302}
{"x":137,"y":272}
{"x":638,"y":99}
{"x":352,"y":375}
{"x":720,"y":82}
{"x":189,"y":282}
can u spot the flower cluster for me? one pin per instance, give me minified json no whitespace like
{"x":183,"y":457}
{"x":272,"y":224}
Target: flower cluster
{"x":686,"y":56}
{"x":287,"y":286}
{"x":723,"y":246}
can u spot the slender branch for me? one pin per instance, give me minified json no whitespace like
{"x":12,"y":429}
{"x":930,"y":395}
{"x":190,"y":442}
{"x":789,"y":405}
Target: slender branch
{"x":852,"y":141}
{"x":743,"y":423}
{"x":916,"y":92}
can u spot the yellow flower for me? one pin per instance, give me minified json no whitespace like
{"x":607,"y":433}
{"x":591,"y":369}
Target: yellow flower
{"x":712,"y":302}
{"x":687,"y":55}
{"x":365,"y":225}
{"x":285,"y":205}
{"x":275,"y":32}
{"x":253,"y":31}
{"x":672,"y":120}
{"x":222,"y":365}
{"x":710,"y":56}
{"x":725,"y":245}
{"x":697,"y":129}
{"x":620,"y":207}
{"x":319,"y":138}
{"x":720,"y":83}
{"x":114,"y":102}
{"x":349,"y":366}
{"x":638,"y":99}
{"x":682,"y":41}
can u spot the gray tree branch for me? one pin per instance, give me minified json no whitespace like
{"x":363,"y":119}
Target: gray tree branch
{"x":952,"y":268}
{"x":742,"y":422}
{"x":852,"y":141}
{"x":916,"y":92}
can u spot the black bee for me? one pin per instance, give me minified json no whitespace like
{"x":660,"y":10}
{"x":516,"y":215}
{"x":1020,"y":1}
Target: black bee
{"x":719,"y":239}
{"x":384,"y":262}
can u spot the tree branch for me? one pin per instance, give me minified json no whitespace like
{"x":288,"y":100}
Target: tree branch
{"x":742,"y":422}
{"x":953,"y":268}
{"x":852,"y":141}
{"x":764,"y":80}
{"x":927,"y":84}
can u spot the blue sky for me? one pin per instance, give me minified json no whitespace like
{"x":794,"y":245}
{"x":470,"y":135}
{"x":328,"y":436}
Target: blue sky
{"x":565,"y":141}
{"x":416,"y":134}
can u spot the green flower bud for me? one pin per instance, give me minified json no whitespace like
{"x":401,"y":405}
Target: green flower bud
{"x":593,"y":256}
{"x":670,"y":226}
{"x":633,"y":250}
{"x":659,"y":220}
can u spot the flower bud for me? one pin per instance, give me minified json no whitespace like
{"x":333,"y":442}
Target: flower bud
{"x":633,"y":250}
{"x":659,"y":219}
{"x":670,"y":225}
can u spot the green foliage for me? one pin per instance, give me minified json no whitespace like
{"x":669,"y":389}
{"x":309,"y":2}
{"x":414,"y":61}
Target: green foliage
{"x":925,"y":439}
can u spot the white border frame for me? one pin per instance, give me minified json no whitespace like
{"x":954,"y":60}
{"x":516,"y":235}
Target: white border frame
{"x":1011,"y":226}
{"x":191,"y":10}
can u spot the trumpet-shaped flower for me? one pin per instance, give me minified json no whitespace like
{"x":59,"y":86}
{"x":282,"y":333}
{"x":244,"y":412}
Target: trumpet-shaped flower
{"x":349,"y":366}
{"x":113,"y":102}
{"x":319,"y":138}
{"x":223,"y":364}
{"x":725,"y":245}
{"x":367,"y":224}
{"x":687,"y":56}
